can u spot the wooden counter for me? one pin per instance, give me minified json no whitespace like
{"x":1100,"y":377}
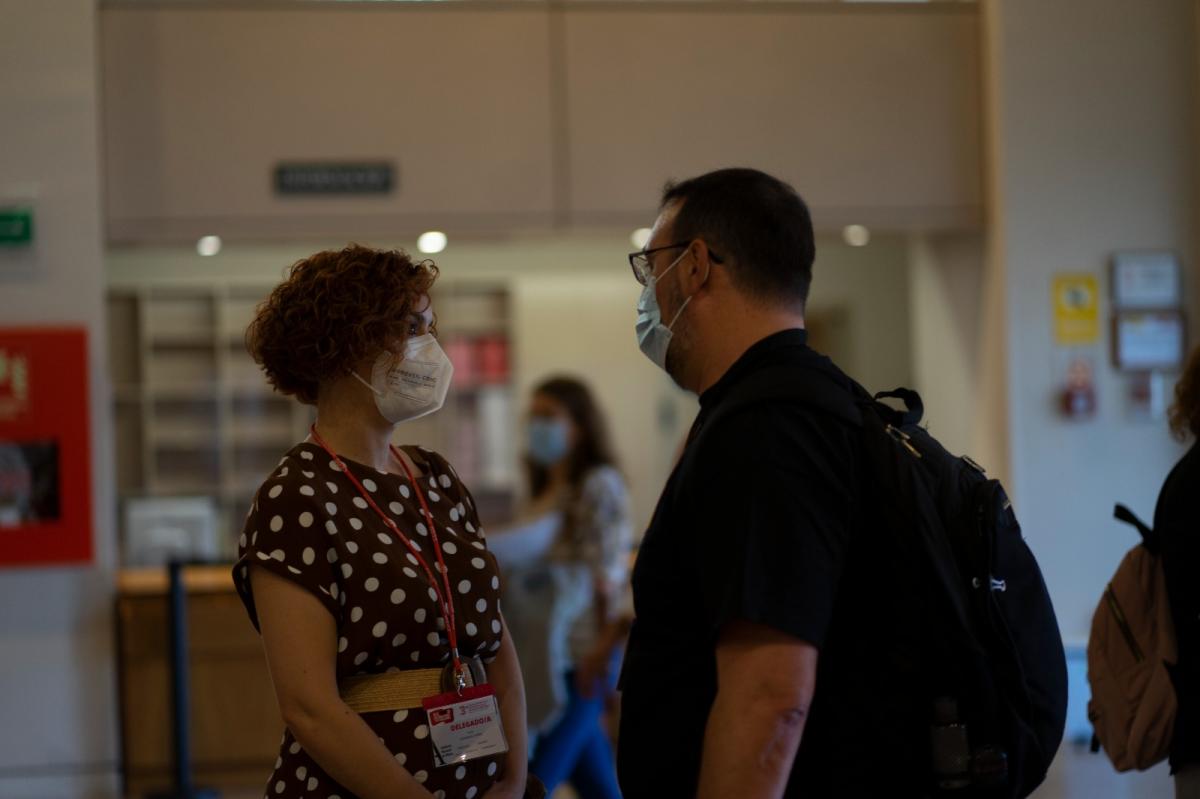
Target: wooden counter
{"x":235,"y":723}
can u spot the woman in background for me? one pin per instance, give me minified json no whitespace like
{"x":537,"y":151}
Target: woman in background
{"x":363,"y":565}
{"x":568,"y":571}
{"x":1177,"y":523}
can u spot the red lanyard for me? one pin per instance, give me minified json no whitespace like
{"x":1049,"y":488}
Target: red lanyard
{"x":444,"y":596}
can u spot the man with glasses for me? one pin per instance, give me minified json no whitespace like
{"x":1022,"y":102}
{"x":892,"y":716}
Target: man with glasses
{"x":748,"y":575}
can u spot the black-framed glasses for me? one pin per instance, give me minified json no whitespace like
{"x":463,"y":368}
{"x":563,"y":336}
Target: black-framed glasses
{"x":643,"y":267}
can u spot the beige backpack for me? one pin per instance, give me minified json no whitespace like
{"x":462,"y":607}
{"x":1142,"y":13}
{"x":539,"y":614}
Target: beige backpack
{"x":1130,"y":650}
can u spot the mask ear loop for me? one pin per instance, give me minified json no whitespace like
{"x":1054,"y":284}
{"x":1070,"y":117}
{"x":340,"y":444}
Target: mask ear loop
{"x":358,"y":377}
{"x":678,"y":313}
{"x":374,"y":390}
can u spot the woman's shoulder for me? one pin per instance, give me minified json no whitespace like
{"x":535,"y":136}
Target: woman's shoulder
{"x":604,"y":478}
{"x":288,"y":525}
{"x":438,"y":471}
{"x":301,"y":481}
{"x":603,"y":487}
{"x":441,"y":478}
{"x":302,"y":465}
{"x":1179,"y":489}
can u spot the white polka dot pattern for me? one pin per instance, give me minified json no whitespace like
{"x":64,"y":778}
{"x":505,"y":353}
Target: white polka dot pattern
{"x":387,"y":615}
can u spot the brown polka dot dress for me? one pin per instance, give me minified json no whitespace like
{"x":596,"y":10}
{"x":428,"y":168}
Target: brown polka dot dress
{"x":310,"y":525}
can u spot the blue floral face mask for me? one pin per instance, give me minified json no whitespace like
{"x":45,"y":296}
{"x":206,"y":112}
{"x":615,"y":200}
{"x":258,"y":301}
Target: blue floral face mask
{"x":548,"y":441}
{"x":654,"y":338}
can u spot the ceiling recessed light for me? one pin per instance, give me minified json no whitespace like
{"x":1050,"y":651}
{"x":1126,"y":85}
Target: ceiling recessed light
{"x":856,"y":235}
{"x":208,"y":245}
{"x":431,"y":242}
{"x":640,"y":238}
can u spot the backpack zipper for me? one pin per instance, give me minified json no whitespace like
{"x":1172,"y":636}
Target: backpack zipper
{"x":1123,"y":624}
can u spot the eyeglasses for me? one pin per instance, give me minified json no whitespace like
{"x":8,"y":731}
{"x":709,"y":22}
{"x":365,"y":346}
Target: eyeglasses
{"x":643,"y":266}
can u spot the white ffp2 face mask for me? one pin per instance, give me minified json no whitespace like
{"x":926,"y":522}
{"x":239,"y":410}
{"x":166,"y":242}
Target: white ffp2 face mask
{"x":414,"y":386}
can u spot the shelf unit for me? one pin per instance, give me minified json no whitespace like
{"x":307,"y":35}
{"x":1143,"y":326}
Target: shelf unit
{"x":194,"y":415}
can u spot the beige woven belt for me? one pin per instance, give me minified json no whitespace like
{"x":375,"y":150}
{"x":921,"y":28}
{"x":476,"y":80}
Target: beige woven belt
{"x":397,"y":690}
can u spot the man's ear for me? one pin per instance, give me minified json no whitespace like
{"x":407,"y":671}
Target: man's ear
{"x":697,"y":267}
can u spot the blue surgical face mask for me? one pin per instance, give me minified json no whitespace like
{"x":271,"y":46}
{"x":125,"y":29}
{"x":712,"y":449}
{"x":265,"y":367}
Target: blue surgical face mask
{"x":654,"y":338}
{"x":548,"y":440}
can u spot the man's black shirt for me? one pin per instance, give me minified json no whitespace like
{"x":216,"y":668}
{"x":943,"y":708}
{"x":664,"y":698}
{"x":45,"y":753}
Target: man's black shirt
{"x":761,"y":522}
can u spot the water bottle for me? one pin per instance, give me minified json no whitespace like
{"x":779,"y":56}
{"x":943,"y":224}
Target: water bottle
{"x":951,"y":749}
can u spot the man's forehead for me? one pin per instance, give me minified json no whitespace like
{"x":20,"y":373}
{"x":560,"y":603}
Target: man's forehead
{"x":663,"y":225}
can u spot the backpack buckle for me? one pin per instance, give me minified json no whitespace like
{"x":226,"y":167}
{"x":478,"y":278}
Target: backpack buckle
{"x":993,"y":584}
{"x":904,"y":439}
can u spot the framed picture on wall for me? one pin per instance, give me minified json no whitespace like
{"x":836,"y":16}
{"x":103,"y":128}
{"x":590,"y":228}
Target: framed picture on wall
{"x":45,"y":447}
{"x":1146,"y":280}
{"x":1145,"y":341}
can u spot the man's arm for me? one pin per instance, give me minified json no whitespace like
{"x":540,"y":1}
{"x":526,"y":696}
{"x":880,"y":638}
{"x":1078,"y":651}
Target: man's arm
{"x":765,"y":682}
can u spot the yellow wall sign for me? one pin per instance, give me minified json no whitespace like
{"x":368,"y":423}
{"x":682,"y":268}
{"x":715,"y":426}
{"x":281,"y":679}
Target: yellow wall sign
{"x":1076,"y":310}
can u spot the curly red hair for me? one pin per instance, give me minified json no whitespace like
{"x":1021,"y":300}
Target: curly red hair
{"x":333,"y":310}
{"x":1185,"y":413}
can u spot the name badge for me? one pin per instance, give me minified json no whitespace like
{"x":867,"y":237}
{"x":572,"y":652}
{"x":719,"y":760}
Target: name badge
{"x":465,"y":726}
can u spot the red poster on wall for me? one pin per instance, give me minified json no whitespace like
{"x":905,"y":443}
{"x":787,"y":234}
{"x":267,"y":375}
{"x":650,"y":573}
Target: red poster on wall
{"x":45,"y":447}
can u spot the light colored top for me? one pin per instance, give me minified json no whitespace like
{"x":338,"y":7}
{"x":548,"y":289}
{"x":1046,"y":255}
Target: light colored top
{"x":556,"y":564}
{"x":598,"y":535}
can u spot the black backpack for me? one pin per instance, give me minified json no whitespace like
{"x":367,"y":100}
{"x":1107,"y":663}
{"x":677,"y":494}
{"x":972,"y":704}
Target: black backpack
{"x":997,"y":715}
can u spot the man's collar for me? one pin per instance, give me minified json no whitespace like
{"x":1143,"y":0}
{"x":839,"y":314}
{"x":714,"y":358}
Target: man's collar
{"x":758,"y":353}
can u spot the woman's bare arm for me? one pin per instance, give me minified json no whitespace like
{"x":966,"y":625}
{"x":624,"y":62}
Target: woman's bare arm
{"x":505,"y":676}
{"x":300,"y":639}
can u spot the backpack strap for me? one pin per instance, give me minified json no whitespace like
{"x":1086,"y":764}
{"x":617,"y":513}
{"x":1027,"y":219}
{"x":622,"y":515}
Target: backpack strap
{"x":914,"y":408}
{"x":1149,"y":539}
{"x":851,"y":404}
{"x":843,"y":399}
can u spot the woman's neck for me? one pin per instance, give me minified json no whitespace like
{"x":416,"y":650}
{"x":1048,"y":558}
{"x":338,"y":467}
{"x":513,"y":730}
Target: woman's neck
{"x":352,"y":430}
{"x":558,"y":477}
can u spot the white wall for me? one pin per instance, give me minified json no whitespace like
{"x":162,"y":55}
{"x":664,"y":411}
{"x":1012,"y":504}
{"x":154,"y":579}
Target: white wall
{"x":946,"y":288}
{"x":1092,"y":149}
{"x":1096,"y":154}
{"x":57,"y":687}
{"x":872,"y":110}
{"x":870,"y":284}
{"x":582,"y":109}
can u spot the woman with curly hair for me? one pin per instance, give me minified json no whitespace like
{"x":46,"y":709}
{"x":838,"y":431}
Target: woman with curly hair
{"x":363,"y":565}
{"x":1177,"y":523}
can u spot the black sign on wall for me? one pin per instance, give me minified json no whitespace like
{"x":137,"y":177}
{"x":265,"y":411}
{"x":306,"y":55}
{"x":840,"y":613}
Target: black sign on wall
{"x":325,"y":177}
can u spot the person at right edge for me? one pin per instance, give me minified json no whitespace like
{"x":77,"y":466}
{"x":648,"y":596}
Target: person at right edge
{"x":1177,"y":523}
{"x":768,"y":653}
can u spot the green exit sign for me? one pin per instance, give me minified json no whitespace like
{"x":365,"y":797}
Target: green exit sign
{"x":16,"y":227}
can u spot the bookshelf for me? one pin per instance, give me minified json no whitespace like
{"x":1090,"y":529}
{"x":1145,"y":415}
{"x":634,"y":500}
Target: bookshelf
{"x":194,"y":415}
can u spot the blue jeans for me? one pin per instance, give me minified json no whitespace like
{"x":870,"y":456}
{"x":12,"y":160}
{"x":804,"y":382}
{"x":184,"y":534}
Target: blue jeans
{"x":577,"y":749}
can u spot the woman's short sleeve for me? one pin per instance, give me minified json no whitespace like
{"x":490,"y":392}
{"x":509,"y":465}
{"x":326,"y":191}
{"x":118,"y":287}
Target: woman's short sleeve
{"x":603,"y":525}
{"x":287,"y":533}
